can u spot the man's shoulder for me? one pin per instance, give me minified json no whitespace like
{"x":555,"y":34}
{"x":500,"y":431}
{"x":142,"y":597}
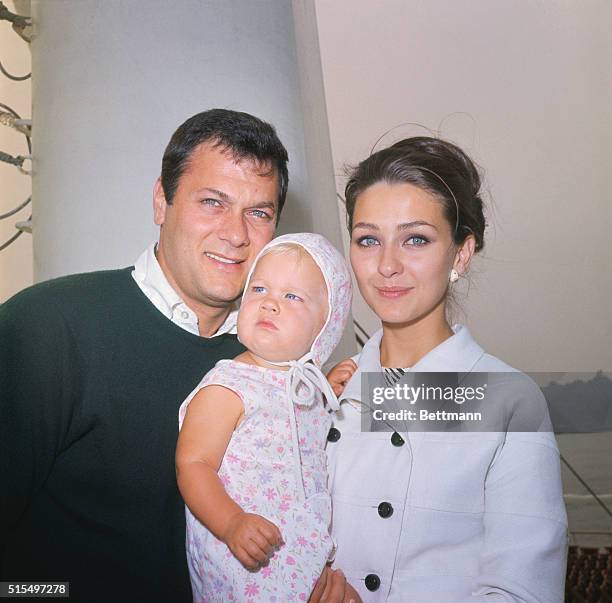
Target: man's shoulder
{"x":73,"y":288}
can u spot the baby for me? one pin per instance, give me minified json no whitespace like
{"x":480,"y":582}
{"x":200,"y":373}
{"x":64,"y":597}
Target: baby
{"x":250,"y":457}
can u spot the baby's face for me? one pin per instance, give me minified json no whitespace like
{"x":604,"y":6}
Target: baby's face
{"x":284,"y":307}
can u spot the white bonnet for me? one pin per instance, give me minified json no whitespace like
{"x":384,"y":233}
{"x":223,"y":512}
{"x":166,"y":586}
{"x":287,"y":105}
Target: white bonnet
{"x":339,"y":289}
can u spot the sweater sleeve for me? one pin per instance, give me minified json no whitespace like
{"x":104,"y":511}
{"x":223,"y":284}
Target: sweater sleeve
{"x":37,"y":364}
{"x":525,"y":546}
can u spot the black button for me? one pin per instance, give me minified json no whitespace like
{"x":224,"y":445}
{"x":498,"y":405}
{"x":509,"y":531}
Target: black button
{"x":385,"y":509}
{"x":372,"y":582}
{"x":397,"y":439}
{"x":333,"y":435}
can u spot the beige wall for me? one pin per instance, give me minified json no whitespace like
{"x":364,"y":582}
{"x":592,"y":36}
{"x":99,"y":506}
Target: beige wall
{"x":15,"y":260}
{"x":107,"y":97}
{"x":526,"y":88}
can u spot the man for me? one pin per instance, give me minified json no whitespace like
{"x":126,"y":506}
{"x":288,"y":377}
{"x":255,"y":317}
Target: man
{"x":95,"y":366}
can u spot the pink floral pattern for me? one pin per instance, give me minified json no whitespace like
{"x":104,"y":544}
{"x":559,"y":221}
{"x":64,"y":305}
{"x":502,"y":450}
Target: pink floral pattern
{"x":258,"y":472}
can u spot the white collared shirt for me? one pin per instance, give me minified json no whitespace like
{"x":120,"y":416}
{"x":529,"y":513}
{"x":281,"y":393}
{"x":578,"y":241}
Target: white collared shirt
{"x":153,"y":283}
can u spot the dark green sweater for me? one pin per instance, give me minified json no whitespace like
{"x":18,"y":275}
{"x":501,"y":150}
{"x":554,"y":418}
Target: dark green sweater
{"x":91,"y":379}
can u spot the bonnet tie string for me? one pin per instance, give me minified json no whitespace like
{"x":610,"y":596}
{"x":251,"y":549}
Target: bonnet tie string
{"x":304,"y":379}
{"x":304,"y":372}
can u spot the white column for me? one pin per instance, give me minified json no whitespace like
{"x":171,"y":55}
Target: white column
{"x":111,"y":82}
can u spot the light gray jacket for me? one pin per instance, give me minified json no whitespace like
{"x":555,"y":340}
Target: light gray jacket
{"x":475,"y":517}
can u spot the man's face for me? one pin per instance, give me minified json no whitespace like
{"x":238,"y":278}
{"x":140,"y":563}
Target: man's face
{"x":222,"y":214}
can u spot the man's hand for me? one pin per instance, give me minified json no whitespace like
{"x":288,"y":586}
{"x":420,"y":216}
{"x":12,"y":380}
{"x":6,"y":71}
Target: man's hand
{"x":252,"y":539}
{"x":332,"y":587}
{"x":339,"y":376}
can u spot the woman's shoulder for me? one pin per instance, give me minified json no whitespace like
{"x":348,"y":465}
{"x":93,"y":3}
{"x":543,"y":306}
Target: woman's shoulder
{"x":518,"y":393}
{"x":501,"y":372}
{"x":488,"y":362}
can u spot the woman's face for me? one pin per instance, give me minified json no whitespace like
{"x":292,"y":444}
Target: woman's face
{"x":402,"y":252}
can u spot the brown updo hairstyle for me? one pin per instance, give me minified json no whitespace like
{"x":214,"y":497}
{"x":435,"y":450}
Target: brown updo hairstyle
{"x":437,"y":166}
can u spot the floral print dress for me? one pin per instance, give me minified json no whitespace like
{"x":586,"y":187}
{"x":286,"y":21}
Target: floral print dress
{"x":275,"y":465}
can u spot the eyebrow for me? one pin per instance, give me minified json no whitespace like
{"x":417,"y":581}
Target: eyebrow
{"x":403,"y":226}
{"x":265,"y":204}
{"x":219,"y":193}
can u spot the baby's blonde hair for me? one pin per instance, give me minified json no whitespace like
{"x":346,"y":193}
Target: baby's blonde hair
{"x":286,"y":249}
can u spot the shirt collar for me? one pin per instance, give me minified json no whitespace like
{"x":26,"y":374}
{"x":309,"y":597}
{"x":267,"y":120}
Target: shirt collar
{"x":459,"y":353}
{"x":154,"y":284}
{"x":368,"y":361}
{"x":148,"y":272}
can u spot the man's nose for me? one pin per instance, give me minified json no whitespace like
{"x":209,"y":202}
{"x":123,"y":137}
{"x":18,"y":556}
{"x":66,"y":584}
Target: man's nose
{"x":389,"y":264}
{"x":233,"y":229}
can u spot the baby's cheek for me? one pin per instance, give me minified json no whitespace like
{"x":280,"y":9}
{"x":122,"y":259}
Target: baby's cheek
{"x":244,"y":316}
{"x":244,"y":330}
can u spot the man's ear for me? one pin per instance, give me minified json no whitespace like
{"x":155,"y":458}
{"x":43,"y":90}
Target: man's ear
{"x":159,"y":203}
{"x":464,"y":255}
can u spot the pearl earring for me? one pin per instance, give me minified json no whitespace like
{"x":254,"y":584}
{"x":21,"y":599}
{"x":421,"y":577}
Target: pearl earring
{"x":454,"y":276}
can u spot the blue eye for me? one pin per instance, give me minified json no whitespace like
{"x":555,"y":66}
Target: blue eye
{"x":417,"y":241}
{"x":260,"y":213}
{"x":211,"y":202}
{"x":367,"y":241}
{"x":293,"y":296}
{"x":257,"y":289}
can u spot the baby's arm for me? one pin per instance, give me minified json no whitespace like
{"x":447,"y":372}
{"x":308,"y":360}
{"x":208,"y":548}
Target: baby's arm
{"x":211,"y":418}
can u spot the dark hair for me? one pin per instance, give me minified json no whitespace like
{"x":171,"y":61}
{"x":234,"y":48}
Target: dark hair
{"x":243,"y":135}
{"x":435,"y":165}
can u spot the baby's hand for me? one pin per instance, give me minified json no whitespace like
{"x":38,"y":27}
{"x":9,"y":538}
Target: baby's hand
{"x":339,"y":376}
{"x":252,"y":539}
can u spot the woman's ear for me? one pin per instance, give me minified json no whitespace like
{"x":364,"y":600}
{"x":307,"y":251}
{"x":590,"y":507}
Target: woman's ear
{"x":464,"y":254}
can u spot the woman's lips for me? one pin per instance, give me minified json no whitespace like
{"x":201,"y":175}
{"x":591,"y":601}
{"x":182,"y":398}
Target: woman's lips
{"x":393,"y":292}
{"x":266,"y":324}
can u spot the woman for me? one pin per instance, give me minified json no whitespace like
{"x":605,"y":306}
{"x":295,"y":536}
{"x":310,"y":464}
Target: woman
{"x":426,"y":516}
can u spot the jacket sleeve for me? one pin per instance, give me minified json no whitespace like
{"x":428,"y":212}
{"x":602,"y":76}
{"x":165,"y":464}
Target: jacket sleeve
{"x":525,"y":544}
{"x":36,"y":358}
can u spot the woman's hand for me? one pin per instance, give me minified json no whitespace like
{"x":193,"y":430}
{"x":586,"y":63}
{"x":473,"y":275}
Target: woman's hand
{"x":339,"y":376}
{"x":252,"y":539}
